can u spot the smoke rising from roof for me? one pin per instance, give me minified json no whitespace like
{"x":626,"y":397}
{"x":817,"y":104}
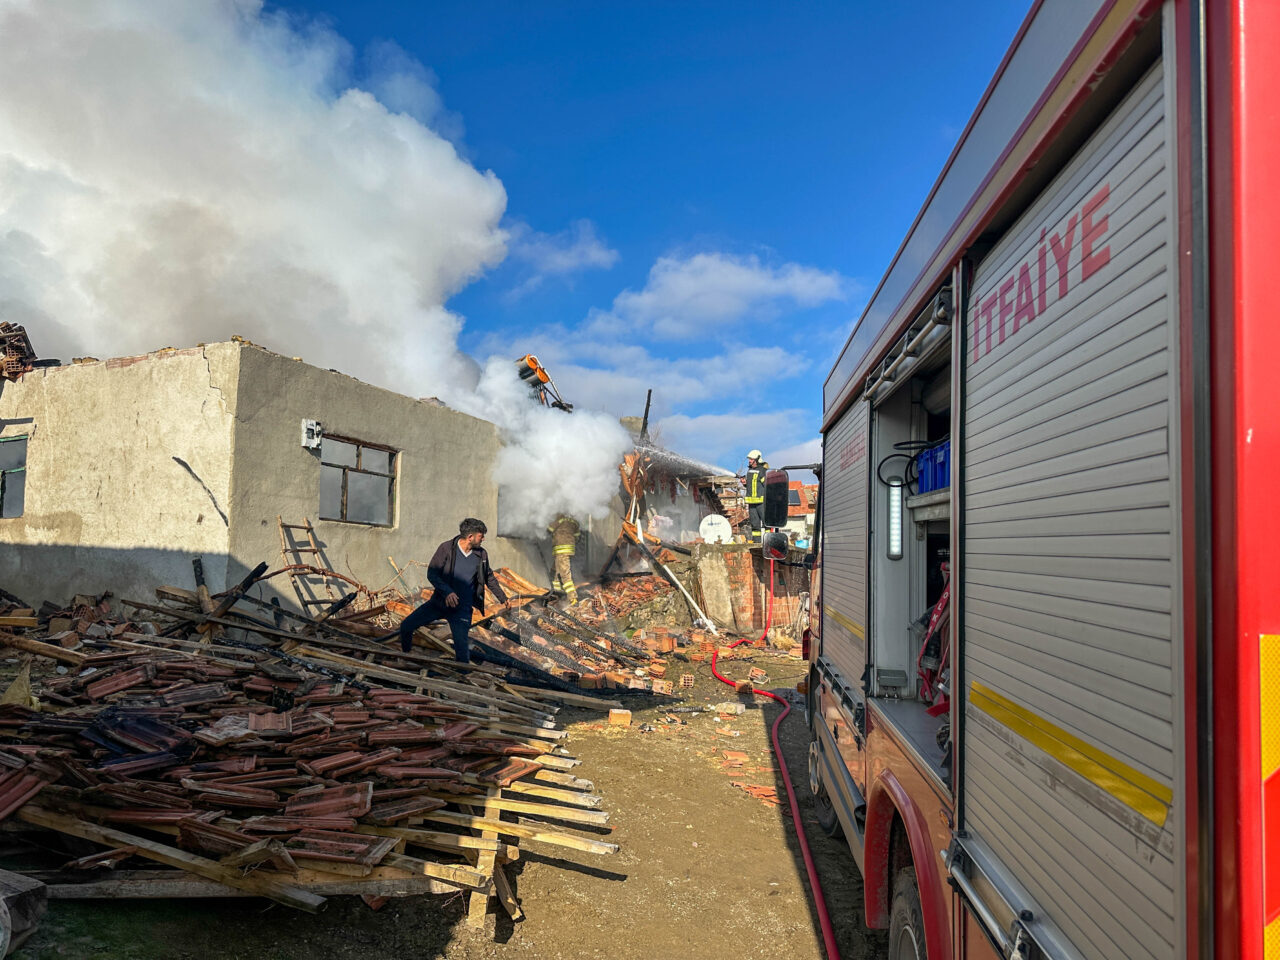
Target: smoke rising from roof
{"x":553,"y":462}
{"x":178,"y":172}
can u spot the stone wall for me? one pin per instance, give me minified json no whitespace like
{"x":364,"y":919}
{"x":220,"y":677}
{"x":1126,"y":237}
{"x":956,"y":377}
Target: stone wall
{"x":128,"y":474}
{"x":444,"y":467}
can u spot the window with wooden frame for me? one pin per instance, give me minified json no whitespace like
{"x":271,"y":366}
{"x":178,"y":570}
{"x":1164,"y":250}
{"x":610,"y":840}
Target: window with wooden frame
{"x":13,"y":476}
{"x":357,"y":482}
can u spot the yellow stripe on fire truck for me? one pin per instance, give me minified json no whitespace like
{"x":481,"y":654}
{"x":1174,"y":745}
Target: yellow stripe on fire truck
{"x":845,"y":622}
{"x":1134,"y":789}
{"x":1269,"y":712}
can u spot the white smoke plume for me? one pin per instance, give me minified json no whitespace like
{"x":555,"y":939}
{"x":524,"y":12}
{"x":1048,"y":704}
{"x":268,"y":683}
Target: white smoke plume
{"x":172,"y":173}
{"x":553,"y":462}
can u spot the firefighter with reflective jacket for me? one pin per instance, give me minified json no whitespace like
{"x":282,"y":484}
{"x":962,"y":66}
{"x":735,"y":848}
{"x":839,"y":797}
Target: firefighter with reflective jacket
{"x":753,"y":481}
{"x":564,"y":532}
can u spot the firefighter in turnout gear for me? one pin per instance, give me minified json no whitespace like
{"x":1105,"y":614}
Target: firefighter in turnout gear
{"x":564,"y":532}
{"x":753,"y":481}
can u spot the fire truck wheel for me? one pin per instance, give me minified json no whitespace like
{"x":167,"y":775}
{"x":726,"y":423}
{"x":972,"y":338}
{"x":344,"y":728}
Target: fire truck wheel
{"x":906,"y":919}
{"x":822,"y":804}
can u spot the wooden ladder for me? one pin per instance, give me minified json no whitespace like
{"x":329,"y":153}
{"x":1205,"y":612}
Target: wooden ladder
{"x":296,"y":551}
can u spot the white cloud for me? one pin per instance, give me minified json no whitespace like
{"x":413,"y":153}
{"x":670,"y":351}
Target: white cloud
{"x":685,"y":298}
{"x":807,"y":451}
{"x":726,"y":437}
{"x":569,"y":251}
{"x":574,"y":250}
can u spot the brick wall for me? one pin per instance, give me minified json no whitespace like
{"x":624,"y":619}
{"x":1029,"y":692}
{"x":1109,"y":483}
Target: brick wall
{"x":749,"y":585}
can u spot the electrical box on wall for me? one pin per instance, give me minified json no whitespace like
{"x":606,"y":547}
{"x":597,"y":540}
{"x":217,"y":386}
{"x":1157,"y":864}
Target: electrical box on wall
{"x":312,"y":432}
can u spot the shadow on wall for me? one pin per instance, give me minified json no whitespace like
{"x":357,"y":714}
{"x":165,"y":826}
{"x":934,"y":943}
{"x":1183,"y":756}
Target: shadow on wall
{"x":57,"y":572}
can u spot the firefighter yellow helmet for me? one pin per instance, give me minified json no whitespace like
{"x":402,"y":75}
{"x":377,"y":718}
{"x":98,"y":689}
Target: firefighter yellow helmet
{"x":754,"y":455}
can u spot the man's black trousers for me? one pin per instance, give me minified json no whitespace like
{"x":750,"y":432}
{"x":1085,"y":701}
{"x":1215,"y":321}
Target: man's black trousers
{"x":458,"y":618}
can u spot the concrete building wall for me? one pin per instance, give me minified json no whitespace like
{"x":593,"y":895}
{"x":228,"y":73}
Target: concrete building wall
{"x":128,"y":474}
{"x":444,"y":471}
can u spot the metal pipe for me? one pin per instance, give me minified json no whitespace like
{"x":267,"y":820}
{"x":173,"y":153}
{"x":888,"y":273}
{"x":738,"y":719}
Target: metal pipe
{"x":910,"y":351}
{"x":979,"y":907}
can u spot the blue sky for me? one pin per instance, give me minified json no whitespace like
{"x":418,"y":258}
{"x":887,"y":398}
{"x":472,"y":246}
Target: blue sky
{"x":700,"y":196}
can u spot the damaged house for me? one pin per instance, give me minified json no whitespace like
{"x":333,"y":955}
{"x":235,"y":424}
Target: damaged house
{"x":114,"y":474}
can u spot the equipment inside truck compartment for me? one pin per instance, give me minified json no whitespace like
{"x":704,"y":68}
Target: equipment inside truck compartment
{"x":911,"y":547}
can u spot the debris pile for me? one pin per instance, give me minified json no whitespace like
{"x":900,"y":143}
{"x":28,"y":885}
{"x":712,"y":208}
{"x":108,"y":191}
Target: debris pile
{"x":16,"y":353}
{"x":286,"y":758}
{"x":616,"y":599}
{"x":566,"y":649}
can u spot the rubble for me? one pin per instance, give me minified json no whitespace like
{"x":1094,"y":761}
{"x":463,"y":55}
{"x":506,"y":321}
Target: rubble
{"x":287,"y":758}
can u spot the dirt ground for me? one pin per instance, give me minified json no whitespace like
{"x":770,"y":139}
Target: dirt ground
{"x":704,"y":870}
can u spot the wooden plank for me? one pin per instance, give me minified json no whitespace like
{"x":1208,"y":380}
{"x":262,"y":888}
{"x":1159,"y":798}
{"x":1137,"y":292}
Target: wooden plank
{"x":478,"y":906}
{"x":24,"y":904}
{"x":506,"y":896}
{"x":570,"y":699}
{"x":557,"y":763}
{"x":175,"y":884}
{"x":536,"y":733}
{"x":440,"y":840}
{"x":252,"y":883}
{"x":19,"y":622}
{"x":571,"y":797}
{"x":459,"y":876}
{"x":595,"y":818}
{"x":268,"y":848}
{"x":564,"y":780}
{"x":53,"y":652}
{"x":523,"y":831}
{"x":188,"y":648}
{"x":178,"y":595}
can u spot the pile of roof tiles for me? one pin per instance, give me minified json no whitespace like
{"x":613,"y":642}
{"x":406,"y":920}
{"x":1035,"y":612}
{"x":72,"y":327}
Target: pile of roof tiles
{"x":615,"y":599}
{"x":287,"y":763}
{"x":567,"y":648}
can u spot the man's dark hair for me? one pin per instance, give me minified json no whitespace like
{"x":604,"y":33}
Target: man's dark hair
{"x":471,"y":525}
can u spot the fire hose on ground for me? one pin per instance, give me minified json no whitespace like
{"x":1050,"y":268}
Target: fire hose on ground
{"x":819,"y":902}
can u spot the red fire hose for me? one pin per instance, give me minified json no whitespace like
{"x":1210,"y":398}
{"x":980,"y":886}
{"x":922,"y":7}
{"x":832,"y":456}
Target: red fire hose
{"x":819,"y":903}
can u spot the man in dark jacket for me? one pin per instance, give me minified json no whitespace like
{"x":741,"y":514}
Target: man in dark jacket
{"x":459,"y":571}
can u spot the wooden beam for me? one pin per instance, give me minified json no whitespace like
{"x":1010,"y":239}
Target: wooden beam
{"x":252,"y":883}
{"x":478,"y":906}
{"x":506,"y":896}
{"x":595,"y":818}
{"x":571,"y":797}
{"x":571,"y":699}
{"x":564,"y":780}
{"x":523,"y":831}
{"x":459,"y":876}
{"x":52,"y":651}
{"x":175,"y":884}
{"x":557,"y":763}
{"x":440,"y":840}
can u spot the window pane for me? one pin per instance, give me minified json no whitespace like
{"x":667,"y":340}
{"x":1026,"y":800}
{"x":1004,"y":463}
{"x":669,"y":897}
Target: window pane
{"x":15,"y":488}
{"x":13,"y":453}
{"x":380,"y":461}
{"x":337,"y":452}
{"x":331,"y":493}
{"x":795,"y":498}
{"x":368,"y":498}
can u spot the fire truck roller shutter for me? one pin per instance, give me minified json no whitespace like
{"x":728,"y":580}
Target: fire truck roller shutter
{"x":1070,"y":560}
{"x":846,"y":473}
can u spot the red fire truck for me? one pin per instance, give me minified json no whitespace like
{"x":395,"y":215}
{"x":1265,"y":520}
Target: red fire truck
{"x":1045,"y":675}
